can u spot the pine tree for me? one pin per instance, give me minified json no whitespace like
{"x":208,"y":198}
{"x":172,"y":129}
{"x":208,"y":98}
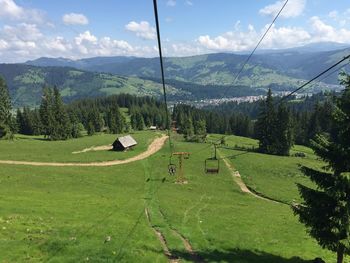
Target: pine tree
{"x":326,"y":210}
{"x":46,"y":112}
{"x":188,"y":129}
{"x":63,"y":126}
{"x":5,"y":111}
{"x":200,"y":130}
{"x":138,"y":121}
{"x":284,"y":131}
{"x":116,"y":120}
{"x":265,"y":125}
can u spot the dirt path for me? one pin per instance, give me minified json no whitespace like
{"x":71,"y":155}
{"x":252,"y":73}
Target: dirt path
{"x":95,"y":148}
{"x":154,"y":147}
{"x":162,"y":240}
{"x":185,"y":242}
{"x":238,"y":180}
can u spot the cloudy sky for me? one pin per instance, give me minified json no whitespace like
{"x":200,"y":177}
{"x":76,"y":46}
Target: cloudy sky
{"x":85,"y":28}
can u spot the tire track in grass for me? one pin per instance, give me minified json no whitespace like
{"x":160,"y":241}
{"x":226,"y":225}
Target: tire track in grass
{"x":187,"y":245}
{"x":161,"y":239}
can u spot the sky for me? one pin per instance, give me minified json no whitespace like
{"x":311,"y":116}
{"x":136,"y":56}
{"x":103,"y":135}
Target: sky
{"x":76,"y":29}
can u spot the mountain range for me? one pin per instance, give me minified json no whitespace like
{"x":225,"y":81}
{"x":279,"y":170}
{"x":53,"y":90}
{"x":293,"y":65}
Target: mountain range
{"x":194,"y":77}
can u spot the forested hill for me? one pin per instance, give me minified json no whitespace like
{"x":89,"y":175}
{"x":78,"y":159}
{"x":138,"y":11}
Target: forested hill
{"x":279,"y":68}
{"x":25,"y":84}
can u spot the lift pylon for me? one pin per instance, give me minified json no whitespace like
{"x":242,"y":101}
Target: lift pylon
{"x":180,"y":178}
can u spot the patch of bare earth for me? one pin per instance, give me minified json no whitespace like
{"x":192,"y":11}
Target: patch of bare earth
{"x":95,"y":148}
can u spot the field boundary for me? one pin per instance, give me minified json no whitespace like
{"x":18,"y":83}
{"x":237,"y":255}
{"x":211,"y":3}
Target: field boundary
{"x":154,"y":147}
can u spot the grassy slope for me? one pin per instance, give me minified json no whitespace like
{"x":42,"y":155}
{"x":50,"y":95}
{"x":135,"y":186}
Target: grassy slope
{"x":29,"y":148}
{"x":210,"y":211}
{"x":272,"y":176}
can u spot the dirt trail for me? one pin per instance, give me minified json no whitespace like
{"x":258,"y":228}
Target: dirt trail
{"x":188,"y":247}
{"x":238,"y":180}
{"x":95,"y":148}
{"x":162,"y":240}
{"x":154,"y":147}
{"x":185,"y":242}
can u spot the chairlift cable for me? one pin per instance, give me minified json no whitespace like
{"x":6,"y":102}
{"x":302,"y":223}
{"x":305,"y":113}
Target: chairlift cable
{"x":162,"y":70}
{"x":256,"y":47}
{"x":313,"y":79}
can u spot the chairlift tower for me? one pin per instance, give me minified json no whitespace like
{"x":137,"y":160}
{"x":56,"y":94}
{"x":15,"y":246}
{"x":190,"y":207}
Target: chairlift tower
{"x":180,"y":178}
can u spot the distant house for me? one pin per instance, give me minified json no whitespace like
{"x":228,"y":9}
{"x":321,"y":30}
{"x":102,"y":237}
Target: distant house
{"x":124,"y":143}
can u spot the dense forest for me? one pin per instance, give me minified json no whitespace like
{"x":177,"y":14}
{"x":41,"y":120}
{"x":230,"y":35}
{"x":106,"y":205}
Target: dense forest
{"x":58,"y":121}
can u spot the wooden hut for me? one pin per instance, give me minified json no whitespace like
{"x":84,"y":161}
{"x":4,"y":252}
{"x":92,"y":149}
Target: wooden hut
{"x":124,"y":143}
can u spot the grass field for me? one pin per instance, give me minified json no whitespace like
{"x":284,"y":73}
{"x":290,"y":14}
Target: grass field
{"x":36,"y":148}
{"x":77,"y":214}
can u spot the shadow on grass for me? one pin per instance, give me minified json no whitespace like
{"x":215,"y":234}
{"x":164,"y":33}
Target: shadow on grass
{"x":237,"y":256}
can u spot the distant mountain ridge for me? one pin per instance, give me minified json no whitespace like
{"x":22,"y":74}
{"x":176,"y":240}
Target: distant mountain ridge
{"x":278,"y":68}
{"x":25,"y":84}
{"x":187,"y":78}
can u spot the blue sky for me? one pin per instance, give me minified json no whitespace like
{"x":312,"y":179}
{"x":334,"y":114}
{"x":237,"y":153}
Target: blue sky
{"x":85,"y":28}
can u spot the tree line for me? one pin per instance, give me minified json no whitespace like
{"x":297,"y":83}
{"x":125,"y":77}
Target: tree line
{"x":58,"y":121}
{"x":277,"y":126}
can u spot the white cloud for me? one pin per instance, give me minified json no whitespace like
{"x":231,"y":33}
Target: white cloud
{"x":185,"y":49}
{"x":75,"y":19}
{"x":10,"y":10}
{"x":325,"y":32}
{"x":142,"y":29}
{"x":293,"y":8}
{"x":85,"y":37}
{"x":282,"y":37}
{"x":333,"y":14}
{"x":189,"y":2}
{"x":171,"y":3}
{"x":23,"y":31}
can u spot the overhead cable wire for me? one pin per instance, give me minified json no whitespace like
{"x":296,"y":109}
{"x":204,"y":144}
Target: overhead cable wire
{"x":249,"y":57}
{"x":313,"y":79}
{"x":256,"y":47}
{"x":162,"y":70}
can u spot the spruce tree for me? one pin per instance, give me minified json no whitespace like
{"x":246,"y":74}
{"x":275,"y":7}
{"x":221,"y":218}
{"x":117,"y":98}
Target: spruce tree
{"x":284,"y":131}
{"x":5,"y":110}
{"x":63,"y":125}
{"x":200,"y":130}
{"x":46,"y":112}
{"x":140,"y":124}
{"x":188,"y":129}
{"x":115,"y":120}
{"x":325,"y":210}
{"x":266,"y":125}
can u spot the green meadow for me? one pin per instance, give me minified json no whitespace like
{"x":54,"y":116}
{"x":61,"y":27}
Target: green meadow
{"x":97,"y":214}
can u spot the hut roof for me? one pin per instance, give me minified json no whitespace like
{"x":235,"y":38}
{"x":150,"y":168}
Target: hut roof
{"x":127,"y":141}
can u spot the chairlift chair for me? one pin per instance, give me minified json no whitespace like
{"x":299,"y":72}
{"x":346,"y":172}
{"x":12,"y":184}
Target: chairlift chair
{"x":171,"y":167}
{"x":212,"y":165}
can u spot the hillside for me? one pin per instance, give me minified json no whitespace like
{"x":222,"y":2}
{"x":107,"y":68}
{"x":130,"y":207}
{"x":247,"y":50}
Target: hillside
{"x":279,"y":68}
{"x":25,"y":83}
{"x":78,"y":214}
